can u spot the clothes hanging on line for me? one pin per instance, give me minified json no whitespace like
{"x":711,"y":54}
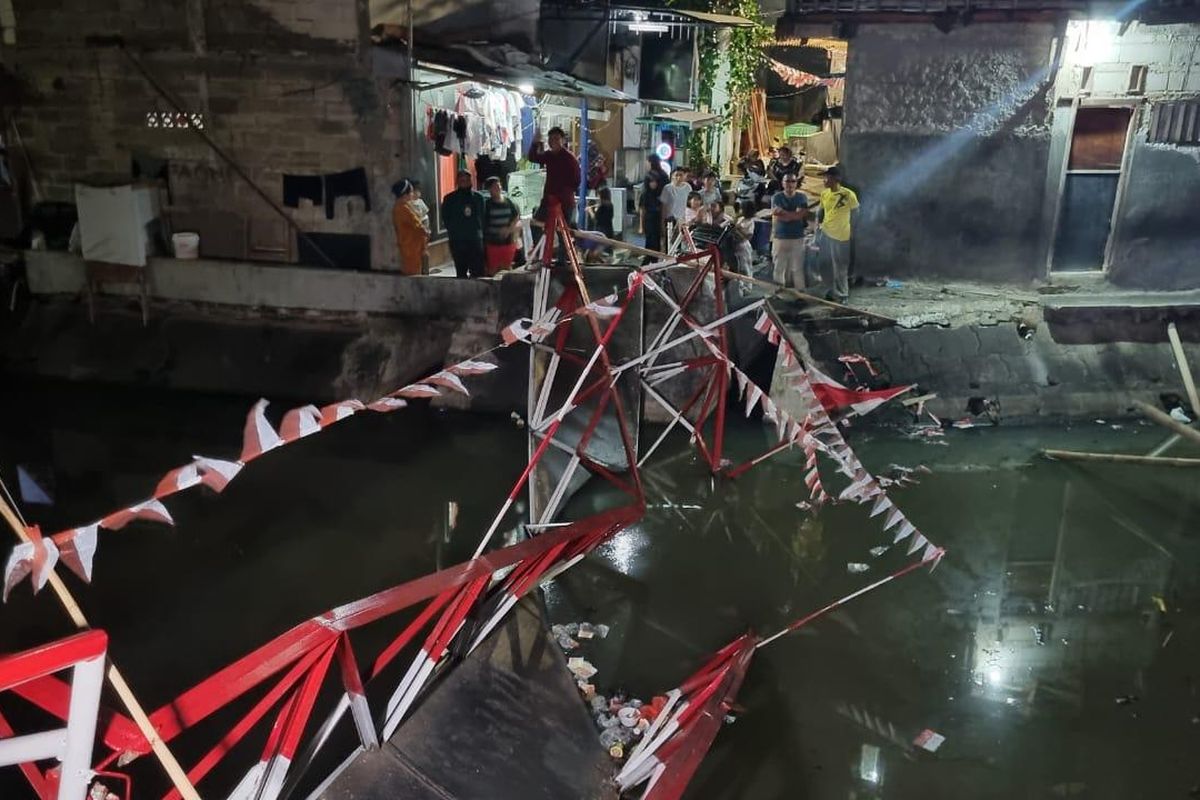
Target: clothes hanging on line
{"x":484,"y":121}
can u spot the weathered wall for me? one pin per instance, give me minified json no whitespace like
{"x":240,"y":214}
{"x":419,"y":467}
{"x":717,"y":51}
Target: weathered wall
{"x":1081,"y":363}
{"x":284,"y":87}
{"x":1155,"y":239}
{"x":946,"y":142}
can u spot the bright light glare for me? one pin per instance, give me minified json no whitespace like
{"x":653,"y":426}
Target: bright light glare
{"x":995,"y":675}
{"x":525,"y":88}
{"x":1098,"y":42}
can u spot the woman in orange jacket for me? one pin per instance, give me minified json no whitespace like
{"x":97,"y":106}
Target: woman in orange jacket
{"x":411,"y":236}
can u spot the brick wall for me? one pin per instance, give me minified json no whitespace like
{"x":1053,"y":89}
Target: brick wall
{"x":284,"y":87}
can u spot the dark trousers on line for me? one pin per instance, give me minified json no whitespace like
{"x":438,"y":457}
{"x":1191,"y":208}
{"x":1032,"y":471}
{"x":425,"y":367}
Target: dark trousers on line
{"x":468,"y":258}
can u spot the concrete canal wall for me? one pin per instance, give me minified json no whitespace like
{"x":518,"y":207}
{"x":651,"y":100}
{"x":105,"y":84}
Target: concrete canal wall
{"x":1077,"y":362}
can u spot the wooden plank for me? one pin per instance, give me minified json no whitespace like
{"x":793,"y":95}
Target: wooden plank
{"x":1121,"y":458}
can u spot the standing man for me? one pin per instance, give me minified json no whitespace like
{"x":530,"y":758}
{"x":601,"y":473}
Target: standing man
{"x":500,"y":216}
{"x":790,"y":210}
{"x":782,"y":166}
{"x":562,"y":173}
{"x":650,"y":205}
{"x":462,"y":214}
{"x":837,"y":203}
{"x":675,"y":200}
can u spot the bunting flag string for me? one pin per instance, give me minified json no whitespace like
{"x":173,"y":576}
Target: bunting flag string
{"x":78,"y":545}
{"x":818,"y":395}
{"x":36,"y":557}
{"x":801,"y":79}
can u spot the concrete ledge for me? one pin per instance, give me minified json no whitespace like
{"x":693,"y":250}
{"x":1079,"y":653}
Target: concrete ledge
{"x":255,"y":285}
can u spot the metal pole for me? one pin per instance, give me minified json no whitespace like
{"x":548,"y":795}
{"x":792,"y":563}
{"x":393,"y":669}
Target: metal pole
{"x":581,"y":211}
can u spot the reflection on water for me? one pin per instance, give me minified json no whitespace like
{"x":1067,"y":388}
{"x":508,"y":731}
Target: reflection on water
{"x":1039,"y":648}
{"x":1065,"y":588}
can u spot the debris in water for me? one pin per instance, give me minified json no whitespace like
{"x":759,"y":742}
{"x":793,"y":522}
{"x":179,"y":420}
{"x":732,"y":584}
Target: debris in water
{"x":1039,"y":634}
{"x":1178,"y":414}
{"x":804,"y":505}
{"x":964,"y":424}
{"x":1167,"y":638}
{"x":929,"y":740}
{"x":878,"y":551}
{"x":1127,"y":699}
{"x":856,"y":567}
{"x":1160,"y":602}
{"x":581,"y":668}
{"x":1101,"y":422}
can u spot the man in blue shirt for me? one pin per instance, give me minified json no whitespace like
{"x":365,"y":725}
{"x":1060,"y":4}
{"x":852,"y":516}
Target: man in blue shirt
{"x":790,"y":211}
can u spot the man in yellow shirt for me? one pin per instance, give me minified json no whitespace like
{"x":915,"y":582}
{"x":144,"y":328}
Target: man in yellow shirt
{"x":837,"y":203}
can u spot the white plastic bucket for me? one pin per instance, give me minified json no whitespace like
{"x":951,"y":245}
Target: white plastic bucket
{"x":186,"y":245}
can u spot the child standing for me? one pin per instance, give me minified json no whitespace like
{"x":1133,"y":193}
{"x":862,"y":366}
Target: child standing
{"x":744,"y":230}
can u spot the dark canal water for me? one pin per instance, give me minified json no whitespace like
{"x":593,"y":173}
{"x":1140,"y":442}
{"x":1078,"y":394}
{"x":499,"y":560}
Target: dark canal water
{"x":1047,"y":609}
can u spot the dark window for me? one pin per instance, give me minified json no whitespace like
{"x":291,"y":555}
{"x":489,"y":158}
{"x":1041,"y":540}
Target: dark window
{"x":1098,"y":141}
{"x":1175,"y":122}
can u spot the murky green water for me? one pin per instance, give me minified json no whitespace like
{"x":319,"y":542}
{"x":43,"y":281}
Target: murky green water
{"x":1072,"y":556}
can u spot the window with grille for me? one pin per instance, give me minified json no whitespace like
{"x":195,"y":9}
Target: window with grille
{"x":1175,"y":122}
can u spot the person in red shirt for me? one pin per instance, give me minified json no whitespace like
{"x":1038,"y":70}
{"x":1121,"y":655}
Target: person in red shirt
{"x":562,"y":173}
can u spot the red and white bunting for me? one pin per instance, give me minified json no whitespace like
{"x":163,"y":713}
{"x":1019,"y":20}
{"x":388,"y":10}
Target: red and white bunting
{"x":77,"y":549}
{"x":449,"y":380}
{"x":177,"y":480}
{"x":259,"y":436}
{"x":336,"y":412}
{"x":300,"y":422}
{"x":149,"y":510}
{"x":881,"y":505}
{"x":516,"y":331}
{"x":418,"y":391}
{"x":216,"y":473}
{"x":918,"y":542}
{"x":855,"y":358}
{"x":386,"y":405}
{"x":905,"y":530}
{"x":603,"y":307}
{"x":36,"y":557}
{"x":471,"y":367}
{"x":753,"y":395}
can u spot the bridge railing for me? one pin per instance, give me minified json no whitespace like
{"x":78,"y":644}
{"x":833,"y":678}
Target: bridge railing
{"x":71,"y":745}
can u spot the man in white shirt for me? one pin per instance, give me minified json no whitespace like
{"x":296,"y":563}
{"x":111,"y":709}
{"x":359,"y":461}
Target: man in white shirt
{"x":675,"y":196}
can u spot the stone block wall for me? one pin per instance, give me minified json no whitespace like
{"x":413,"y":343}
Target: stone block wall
{"x":283,"y":86}
{"x":946,"y":141}
{"x":1050,"y":376}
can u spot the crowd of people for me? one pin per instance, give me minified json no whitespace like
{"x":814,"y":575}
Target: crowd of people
{"x":482,"y":229}
{"x":682,"y":199}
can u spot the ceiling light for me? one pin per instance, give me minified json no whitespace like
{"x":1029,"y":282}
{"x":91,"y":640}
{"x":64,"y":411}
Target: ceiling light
{"x":649,"y":27}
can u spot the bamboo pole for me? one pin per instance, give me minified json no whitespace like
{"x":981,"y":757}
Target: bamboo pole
{"x":1189,"y":385}
{"x":1121,"y":458}
{"x":1181,"y":361}
{"x":1165,"y":420}
{"x":176,"y":773}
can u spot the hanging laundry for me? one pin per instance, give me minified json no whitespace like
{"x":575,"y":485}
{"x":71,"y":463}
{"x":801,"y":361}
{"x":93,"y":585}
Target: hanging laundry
{"x":303,"y":187}
{"x":351,"y":183}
